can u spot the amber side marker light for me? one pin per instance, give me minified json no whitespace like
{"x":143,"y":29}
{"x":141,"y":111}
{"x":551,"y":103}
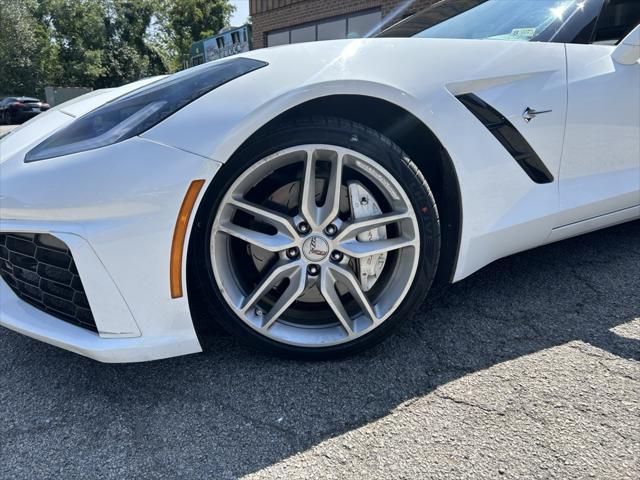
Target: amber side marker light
{"x":179,"y":234}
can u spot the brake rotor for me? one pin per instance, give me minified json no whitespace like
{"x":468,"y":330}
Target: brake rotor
{"x":364,"y":205}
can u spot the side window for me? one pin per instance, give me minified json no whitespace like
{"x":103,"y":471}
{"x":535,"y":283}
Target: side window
{"x":617,"y":19}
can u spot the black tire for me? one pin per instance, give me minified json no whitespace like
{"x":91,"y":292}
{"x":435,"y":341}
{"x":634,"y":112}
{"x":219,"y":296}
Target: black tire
{"x":205,"y":298}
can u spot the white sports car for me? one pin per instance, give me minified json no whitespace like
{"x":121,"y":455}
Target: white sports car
{"x":307,"y":197}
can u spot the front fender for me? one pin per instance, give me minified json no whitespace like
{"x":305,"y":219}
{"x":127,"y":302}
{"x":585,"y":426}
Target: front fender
{"x":504,"y":211}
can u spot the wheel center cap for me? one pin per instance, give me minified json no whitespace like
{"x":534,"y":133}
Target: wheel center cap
{"x":315,"y":248}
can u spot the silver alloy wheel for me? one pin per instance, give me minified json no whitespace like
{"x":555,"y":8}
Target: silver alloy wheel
{"x":314,"y":249}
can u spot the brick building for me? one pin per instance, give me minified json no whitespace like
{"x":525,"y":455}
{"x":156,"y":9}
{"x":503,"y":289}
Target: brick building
{"x":277,"y":22}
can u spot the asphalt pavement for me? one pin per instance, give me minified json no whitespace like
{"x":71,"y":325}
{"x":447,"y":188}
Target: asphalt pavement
{"x":528,"y":369}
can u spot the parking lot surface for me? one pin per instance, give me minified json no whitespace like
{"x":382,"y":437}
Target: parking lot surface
{"x":529,"y":368}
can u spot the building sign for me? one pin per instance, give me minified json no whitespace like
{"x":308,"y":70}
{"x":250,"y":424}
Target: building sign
{"x":230,"y":41}
{"x":213,"y":52}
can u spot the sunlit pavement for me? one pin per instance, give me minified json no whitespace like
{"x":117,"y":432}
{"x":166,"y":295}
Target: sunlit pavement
{"x":528,"y":369}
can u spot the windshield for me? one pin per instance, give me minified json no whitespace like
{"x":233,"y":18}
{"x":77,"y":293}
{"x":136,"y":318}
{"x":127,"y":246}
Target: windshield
{"x":514,"y":20}
{"x":503,"y":20}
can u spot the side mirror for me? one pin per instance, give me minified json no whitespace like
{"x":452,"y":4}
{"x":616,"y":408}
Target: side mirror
{"x":628,"y":51}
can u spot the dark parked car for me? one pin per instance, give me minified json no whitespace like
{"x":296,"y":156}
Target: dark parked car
{"x":20,"y":109}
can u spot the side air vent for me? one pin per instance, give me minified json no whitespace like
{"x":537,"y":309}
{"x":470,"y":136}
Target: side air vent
{"x":509,"y":137}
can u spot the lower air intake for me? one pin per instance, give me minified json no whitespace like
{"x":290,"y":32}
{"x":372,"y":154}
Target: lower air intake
{"x":39,"y":268}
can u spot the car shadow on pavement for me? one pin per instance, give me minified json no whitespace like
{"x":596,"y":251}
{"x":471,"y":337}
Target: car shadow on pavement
{"x":232,"y":411}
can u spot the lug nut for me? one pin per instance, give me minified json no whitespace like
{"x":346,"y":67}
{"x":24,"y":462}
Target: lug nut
{"x":331,"y":230}
{"x":293,"y":252}
{"x":259,"y":312}
{"x":336,"y":256}
{"x":313,"y":270}
{"x":303,"y":227}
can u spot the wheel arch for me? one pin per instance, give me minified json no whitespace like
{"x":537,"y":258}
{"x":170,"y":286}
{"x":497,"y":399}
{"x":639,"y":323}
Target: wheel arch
{"x":420,"y":144}
{"x":400,"y":126}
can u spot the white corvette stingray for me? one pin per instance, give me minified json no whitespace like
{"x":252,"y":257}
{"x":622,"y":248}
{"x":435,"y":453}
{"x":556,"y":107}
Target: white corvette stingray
{"x":307,"y":197}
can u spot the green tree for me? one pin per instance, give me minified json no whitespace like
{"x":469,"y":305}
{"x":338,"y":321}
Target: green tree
{"x":79,"y":29}
{"x":27,"y":54}
{"x":131,"y":53}
{"x":186,"y":21}
{"x":99,"y":43}
{"x":103,"y":43}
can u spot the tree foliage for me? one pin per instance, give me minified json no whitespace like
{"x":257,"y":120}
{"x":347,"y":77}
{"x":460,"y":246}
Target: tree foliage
{"x":98,"y":43}
{"x":186,"y":21}
{"x":27,"y":54}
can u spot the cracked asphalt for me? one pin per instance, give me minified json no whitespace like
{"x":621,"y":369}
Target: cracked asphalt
{"x":529,"y":368}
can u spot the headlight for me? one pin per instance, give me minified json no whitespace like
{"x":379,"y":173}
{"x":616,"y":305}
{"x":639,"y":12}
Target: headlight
{"x":138,"y":111}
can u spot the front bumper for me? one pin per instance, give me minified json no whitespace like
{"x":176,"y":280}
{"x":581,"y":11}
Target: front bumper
{"x":115,"y":208}
{"x":21,"y":317}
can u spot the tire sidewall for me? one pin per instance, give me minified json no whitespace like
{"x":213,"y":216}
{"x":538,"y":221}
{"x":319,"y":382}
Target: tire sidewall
{"x":339,"y":133}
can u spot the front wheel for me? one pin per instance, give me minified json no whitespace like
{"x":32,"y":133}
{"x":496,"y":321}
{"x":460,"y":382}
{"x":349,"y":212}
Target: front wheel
{"x":321,"y":236}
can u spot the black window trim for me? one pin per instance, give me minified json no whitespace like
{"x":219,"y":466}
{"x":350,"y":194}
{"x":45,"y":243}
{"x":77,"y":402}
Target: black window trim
{"x":605,"y":5}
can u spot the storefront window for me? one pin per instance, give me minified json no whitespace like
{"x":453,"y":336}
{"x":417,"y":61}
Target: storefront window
{"x":278,"y":38}
{"x":364,"y":25}
{"x":355,"y":25}
{"x":303,"y":34}
{"x":332,"y":30}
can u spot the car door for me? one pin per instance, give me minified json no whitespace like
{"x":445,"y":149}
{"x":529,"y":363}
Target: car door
{"x":600,"y":168}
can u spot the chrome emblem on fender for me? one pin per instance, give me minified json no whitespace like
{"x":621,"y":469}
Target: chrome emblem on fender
{"x":531,"y":113}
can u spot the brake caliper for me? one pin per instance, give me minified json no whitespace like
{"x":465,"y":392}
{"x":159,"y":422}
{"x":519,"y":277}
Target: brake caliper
{"x":363,"y":205}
